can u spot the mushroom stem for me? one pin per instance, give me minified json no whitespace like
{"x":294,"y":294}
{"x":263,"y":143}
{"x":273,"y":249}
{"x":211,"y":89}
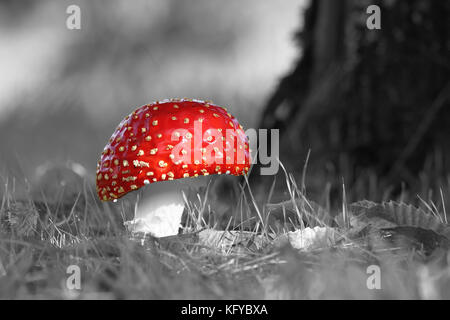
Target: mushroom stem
{"x":158,"y":209}
{"x":160,"y":206}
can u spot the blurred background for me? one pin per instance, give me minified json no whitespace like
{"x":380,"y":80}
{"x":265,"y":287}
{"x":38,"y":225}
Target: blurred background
{"x":372,"y":106}
{"x":63,"y":92}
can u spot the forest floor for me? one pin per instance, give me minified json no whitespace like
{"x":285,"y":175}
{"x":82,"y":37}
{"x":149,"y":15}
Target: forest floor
{"x":44,"y":243}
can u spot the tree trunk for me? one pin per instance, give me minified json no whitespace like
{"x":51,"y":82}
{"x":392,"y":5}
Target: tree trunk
{"x":357,"y":96}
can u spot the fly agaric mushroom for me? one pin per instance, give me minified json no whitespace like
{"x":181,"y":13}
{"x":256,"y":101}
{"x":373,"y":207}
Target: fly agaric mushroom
{"x":173,"y":143}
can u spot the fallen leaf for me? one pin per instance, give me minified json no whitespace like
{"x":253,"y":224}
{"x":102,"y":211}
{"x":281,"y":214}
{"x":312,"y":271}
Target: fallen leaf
{"x":311,"y":238}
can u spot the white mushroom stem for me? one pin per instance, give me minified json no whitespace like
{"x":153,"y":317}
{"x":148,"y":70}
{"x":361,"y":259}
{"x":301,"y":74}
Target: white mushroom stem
{"x":160,"y":206}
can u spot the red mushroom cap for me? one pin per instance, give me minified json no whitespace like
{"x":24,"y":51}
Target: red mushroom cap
{"x":158,"y":142}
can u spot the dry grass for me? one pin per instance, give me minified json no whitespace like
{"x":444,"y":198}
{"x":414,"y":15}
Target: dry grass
{"x":40,"y":239}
